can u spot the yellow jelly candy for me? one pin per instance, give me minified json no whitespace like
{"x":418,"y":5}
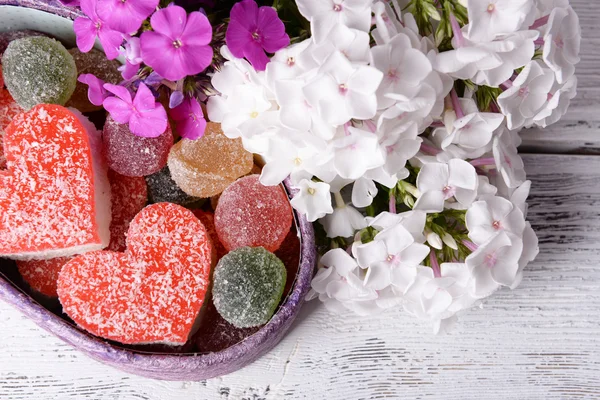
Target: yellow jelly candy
{"x":206,"y":166}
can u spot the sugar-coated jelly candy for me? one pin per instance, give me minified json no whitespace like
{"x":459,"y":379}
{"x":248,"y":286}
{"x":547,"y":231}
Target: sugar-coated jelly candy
{"x":206,"y":166}
{"x":8,"y":110}
{"x":132,"y":155}
{"x":93,"y":62}
{"x":208,"y":220}
{"x":9,"y":36}
{"x":54,"y":194}
{"x":42,"y":275}
{"x":247,"y":286}
{"x":151,"y":293}
{"x":128,"y":197}
{"x":251,"y":214}
{"x":38,"y":70}
{"x":162,"y":188}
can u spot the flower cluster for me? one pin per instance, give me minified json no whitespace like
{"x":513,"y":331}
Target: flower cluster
{"x":397,"y":123}
{"x":161,"y":48}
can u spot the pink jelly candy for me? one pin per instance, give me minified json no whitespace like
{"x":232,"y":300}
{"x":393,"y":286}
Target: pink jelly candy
{"x":250,"y":214}
{"x":132,"y":155}
{"x":208,"y":220}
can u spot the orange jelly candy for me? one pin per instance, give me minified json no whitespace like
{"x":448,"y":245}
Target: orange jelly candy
{"x":151,"y":293}
{"x":8,"y":110}
{"x":206,"y":166}
{"x":54,"y":194}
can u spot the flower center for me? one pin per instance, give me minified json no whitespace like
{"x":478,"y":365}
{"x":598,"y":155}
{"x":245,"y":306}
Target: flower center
{"x":559,"y":42}
{"x":256,"y":36}
{"x":491,"y":8}
{"x":177,"y":43}
{"x":393,"y":75}
{"x":311,"y":191}
{"x":98,"y":25}
{"x":337,"y":7}
{"x":524,"y":91}
{"x":297,"y":161}
{"x":491,"y":260}
{"x":291,"y":61}
{"x":254,"y":114}
{"x":394,"y":259}
{"x":343,"y":88}
{"x":448,"y":192}
{"x":497,"y":225}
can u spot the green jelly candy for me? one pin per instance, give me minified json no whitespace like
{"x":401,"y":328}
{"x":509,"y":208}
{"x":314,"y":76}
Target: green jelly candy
{"x":248,"y":285}
{"x":39,"y":70}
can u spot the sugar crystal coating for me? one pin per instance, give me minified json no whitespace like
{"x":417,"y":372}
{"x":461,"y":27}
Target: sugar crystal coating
{"x":38,"y":70}
{"x":250,"y":214}
{"x":162,"y":188}
{"x":248,"y":284}
{"x":208,"y":220}
{"x":9,"y":36}
{"x":53,"y":200}
{"x":8,"y":110}
{"x":1,"y":78}
{"x":93,"y":62}
{"x":154,"y":291}
{"x":132,"y":155}
{"x":206,"y":166}
{"x":42,"y":275}
{"x":129,"y":197}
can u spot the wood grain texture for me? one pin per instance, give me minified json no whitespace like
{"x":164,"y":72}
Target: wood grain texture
{"x":579,"y":131}
{"x":539,"y":341}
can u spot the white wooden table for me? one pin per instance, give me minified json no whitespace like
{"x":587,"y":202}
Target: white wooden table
{"x":540,"y":341}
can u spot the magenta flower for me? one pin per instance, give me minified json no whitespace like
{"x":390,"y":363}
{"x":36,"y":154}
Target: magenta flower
{"x":70,"y":3}
{"x":86,"y":30}
{"x":133,"y":58}
{"x":254,"y":31}
{"x":179,"y":45}
{"x":145,"y":116}
{"x":189,"y":119}
{"x":96,"y":91}
{"x":125,"y":16}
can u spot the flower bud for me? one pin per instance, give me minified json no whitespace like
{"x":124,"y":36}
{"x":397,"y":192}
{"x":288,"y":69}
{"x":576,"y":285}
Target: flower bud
{"x":449,"y":241}
{"x":434,"y":240}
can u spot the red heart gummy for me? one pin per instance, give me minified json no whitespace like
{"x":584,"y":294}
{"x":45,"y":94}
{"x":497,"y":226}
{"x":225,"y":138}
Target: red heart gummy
{"x":151,"y":293}
{"x":54,"y":194}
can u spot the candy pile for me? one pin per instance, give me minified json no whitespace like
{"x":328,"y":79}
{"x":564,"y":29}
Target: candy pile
{"x":143,"y":240}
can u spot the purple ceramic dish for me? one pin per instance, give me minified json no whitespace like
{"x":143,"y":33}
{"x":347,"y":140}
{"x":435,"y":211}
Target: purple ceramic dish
{"x":44,"y":16}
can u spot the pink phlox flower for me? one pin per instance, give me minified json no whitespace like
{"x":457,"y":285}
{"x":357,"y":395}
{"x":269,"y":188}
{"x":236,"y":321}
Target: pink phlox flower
{"x":253,"y":31}
{"x":145,"y":116}
{"x":92,"y":26}
{"x":125,"y":16}
{"x":179,"y":46}
{"x":189,"y":119}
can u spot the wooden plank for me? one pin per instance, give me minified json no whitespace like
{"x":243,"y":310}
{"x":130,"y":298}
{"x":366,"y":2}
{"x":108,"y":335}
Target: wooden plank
{"x":539,"y":341}
{"x":579,"y":130}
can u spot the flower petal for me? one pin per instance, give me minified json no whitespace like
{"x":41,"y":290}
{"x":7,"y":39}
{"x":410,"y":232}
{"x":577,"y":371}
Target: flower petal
{"x":119,"y":91}
{"x":150,"y":122}
{"x":85,"y":33}
{"x":96,"y":91}
{"x":272,"y":30}
{"x":170,"y":21}
{"x":119,"y":110}
{"x":198,"y":30}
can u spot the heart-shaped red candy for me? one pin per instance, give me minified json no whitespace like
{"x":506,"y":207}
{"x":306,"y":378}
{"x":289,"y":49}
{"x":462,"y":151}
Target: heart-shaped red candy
{"x":54,"y":194}
{"x":151,"y":293}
